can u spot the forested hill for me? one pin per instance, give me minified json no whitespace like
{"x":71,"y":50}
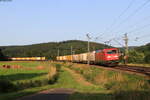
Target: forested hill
{"x":140,"y":54}
{"x":145,"y":49}
{"x":49,"y":50}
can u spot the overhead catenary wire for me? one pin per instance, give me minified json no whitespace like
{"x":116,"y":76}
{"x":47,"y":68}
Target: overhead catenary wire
{"x":135,"y":24}
{"x":121,"y":14}
{"x":144,"y":36}
{"x":141,"y":28}
{"x":141,"y":37}
{"x":133,"y":13}
{"x":137,"y":29}
{"x":118,"y":42}
{"x":130,"y":16}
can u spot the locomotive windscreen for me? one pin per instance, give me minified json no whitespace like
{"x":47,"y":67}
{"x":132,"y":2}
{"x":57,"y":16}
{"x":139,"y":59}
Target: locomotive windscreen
{"x":111,"y":51}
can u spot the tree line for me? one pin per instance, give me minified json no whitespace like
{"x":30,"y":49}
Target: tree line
{"x":140,"y":54}
{"x":50,"y":50}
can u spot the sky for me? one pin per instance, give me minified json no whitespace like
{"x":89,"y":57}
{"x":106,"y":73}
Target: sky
{"x":24,"y":22}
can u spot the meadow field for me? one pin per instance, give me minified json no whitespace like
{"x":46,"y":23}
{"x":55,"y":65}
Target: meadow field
{"x":88,"y":82}
{"x":24,"y":75}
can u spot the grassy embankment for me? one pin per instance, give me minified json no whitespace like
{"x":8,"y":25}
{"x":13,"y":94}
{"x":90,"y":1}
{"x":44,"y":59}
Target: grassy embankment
{"x":119,"y":86}
{"x":90,"y":83}
{"x":65,"y":79}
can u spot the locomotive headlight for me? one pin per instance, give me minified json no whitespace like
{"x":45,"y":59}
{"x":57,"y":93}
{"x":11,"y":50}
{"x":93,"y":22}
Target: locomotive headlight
{"x":116,"y":56}
{"x":108,"y":56}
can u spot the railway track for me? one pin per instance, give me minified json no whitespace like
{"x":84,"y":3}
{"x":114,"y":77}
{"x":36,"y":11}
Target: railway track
{"x":136,"y":69}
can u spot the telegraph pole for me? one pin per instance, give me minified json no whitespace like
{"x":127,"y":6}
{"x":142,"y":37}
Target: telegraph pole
{"x":88,"y":62}
{"x":71,"y":50}
{"x":58,"y":52}
{"x":71,"y":53}
{"x":126,"y":48}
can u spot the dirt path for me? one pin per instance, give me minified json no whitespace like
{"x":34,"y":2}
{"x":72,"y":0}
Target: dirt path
{"x":54,"y":94}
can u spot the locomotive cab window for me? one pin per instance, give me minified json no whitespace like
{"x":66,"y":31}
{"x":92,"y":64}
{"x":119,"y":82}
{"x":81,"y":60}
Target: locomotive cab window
{"x":111,"y":51}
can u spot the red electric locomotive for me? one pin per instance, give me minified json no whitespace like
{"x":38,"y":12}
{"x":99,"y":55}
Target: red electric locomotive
{"x":109,"y":57}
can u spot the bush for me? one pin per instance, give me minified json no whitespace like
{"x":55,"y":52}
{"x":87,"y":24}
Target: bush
{"x":29,"y":84}
{"x":147,"y":58}
{"x":109,"y":85}
{"x":54,"y":73}
{"x":6,"y":86}
{"x":135,"y":57}
{"x":58,"y":66}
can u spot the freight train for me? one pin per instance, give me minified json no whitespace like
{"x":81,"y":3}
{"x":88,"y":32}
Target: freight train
{"x":108,"y":57}
{"x":24,"y":58}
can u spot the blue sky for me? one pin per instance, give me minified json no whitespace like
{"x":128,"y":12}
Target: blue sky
{"x":24,"y":22}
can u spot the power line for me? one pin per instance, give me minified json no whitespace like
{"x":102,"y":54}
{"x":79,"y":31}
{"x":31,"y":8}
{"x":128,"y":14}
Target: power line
{"x":121,"y":14}
{"x":130,"y":16}
{"x":143,"y":27}
{"x":128,"y":7}
{"x":139,"y":22}
{"x":118,"y":42}
{"x":134,"y":12}
{"x":144,"y":36}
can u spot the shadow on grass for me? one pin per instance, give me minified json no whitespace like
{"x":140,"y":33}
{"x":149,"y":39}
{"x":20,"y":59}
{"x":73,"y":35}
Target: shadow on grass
{"x":48,"y":97}
{"x":60,"y":94}
{"x":128,"y":95}
{"x":122,"y":95}
{"x":44,"y":96}
{"x":20,"y":76}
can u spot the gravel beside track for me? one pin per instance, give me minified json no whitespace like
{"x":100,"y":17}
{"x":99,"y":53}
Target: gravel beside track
{"x":136,"y":69}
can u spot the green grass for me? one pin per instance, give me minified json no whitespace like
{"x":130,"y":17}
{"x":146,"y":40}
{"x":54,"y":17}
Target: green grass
{"x":124,"y":95}
{"x":21,"y":63}
{"x":23,"y":74}
{"x":120,"y":85}
{"x":65,"y":80}
{"x":24,"y":78}
{"x":108,"y":85}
